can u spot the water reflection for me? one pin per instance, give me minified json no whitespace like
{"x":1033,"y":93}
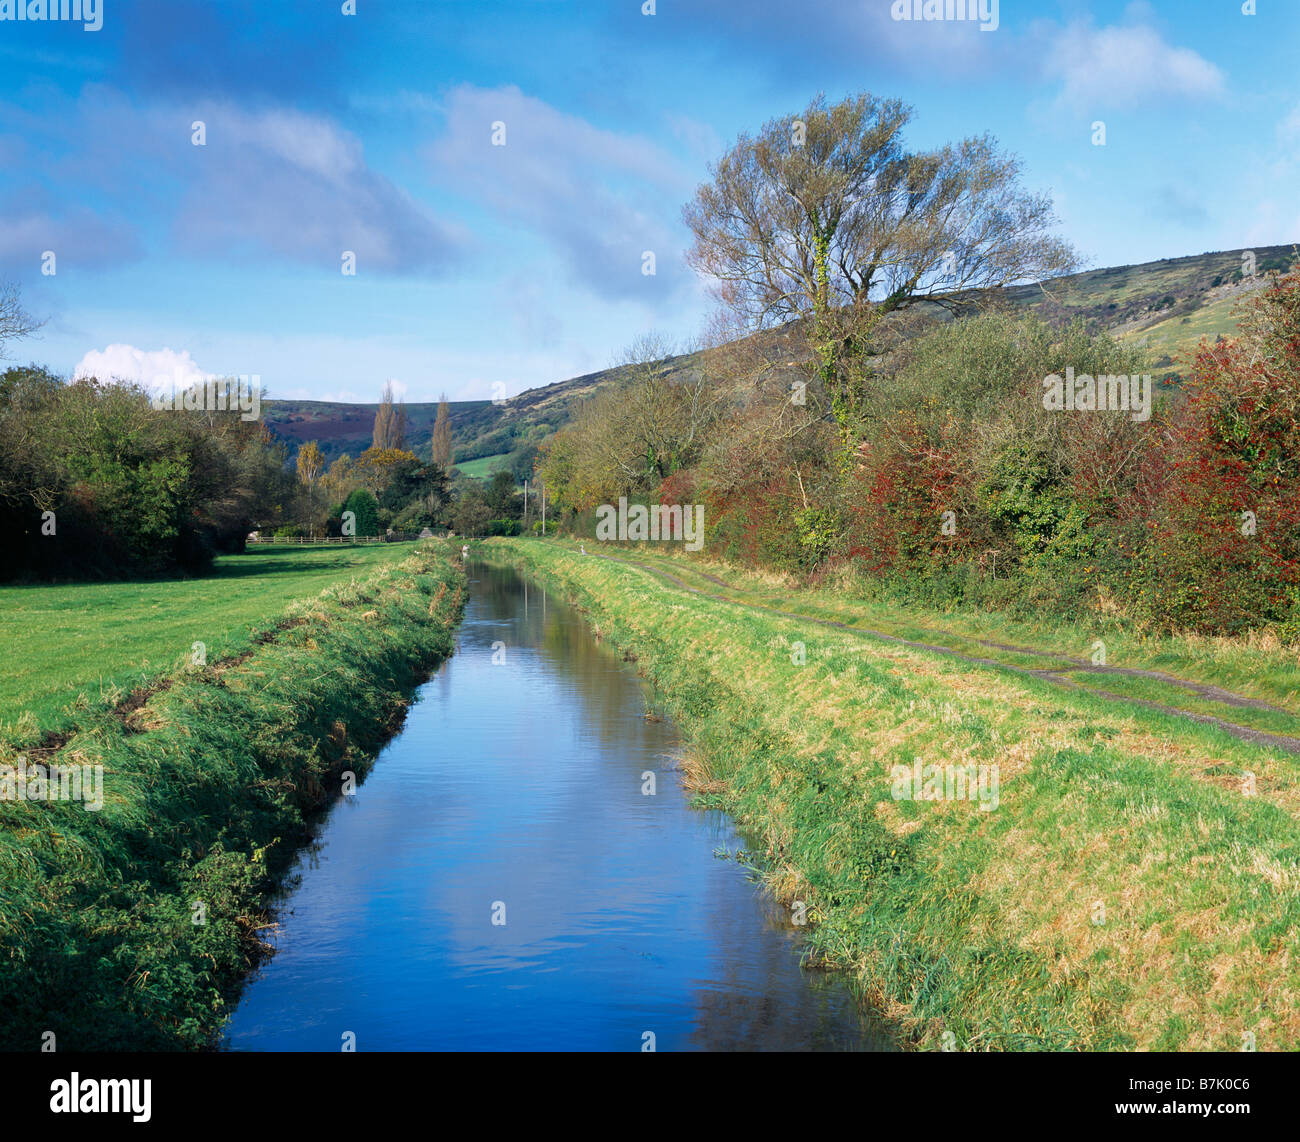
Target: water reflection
{"x":515,"y":791}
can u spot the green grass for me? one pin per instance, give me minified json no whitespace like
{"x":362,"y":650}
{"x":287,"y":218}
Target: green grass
{"x":1256,"y":667}
{"x":208,"y":787}
{"x":484,"y":466}
{"x":1177,"y":337}
{"x":71,"y":647}
{"x":1137,"y":887}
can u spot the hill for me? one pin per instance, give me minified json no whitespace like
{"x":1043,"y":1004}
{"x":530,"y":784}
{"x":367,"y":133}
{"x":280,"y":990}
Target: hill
{"x":1167,"y":305}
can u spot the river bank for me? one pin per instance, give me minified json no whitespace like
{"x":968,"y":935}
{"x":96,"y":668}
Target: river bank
{"x":132,"y":926}
{"x":1135,"y":886}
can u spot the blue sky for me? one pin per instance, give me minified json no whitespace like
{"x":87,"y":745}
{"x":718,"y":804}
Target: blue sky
{"x":480,"y":266}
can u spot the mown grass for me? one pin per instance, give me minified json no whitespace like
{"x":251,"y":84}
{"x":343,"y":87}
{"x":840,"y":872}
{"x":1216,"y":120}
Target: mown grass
{"x":1138,"y":886}
{"x":208,"y":787}
{"x":69,"y":648}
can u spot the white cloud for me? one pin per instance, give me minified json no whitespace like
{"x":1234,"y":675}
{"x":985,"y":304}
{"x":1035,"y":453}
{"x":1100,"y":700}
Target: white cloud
{"x":1127,"y":66}
{"x":159,"y":370}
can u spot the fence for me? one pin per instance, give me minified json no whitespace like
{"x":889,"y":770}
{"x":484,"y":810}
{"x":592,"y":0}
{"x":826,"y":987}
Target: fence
{"x":395,"y":538}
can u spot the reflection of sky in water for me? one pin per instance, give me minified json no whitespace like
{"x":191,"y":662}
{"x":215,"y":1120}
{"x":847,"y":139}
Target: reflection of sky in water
{"x":521,"y":783}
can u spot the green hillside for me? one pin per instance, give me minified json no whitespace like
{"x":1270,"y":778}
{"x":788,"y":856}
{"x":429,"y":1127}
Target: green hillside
{"x":1168,"y":306}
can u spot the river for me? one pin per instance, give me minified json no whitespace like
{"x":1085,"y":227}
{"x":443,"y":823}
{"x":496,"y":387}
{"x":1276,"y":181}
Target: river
{"x":501,"y":881}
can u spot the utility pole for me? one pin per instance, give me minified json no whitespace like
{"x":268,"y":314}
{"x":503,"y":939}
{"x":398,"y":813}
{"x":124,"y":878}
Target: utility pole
{"x":525,"y":507}
{"x":543,"y":511}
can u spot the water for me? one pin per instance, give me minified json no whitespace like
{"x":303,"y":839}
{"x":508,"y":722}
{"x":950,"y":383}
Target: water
{"x":518,"y":783}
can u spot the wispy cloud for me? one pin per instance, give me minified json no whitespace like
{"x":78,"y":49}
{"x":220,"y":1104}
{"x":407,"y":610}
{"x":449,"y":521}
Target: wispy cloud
{"x":1127,"y":66}
{"x":596,"y":196}
{"x":266,"y":181}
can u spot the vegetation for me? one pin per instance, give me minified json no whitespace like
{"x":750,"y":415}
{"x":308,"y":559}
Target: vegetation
{"x":1169,"y":917}
{"x":73,"y":648}
{"x":441,"y":445}
{"x":909,"y":429}
{"x":825,"y":218}
{"x":390,"y":422}
{"x":132,"y":926}
{"x":95,"y":482}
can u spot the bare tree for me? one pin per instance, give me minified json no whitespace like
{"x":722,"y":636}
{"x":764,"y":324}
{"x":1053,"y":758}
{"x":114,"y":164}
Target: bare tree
{"x":15,"y":322}
{"x":824,"y":217}
{"x":668,"y":403}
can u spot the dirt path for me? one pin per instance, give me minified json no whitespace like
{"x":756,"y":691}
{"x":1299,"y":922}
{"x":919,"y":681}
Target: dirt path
{"x":1056,"y":677}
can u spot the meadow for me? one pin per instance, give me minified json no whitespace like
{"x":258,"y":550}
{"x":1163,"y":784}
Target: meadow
{"x":71,"y":648}
{"x":131,"y":923}
{"x":1137,"y":887}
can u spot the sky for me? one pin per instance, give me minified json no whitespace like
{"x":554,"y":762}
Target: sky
{"x":499,"y":169}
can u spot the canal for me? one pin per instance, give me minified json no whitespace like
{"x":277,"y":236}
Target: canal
{"x":503,"y":879}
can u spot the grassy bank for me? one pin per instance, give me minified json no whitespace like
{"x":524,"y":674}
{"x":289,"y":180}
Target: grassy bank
{"x":1257,"y":666}
{"x":1136,"y":887}
{"x":72,"y":647}
{"x":132,"y":926}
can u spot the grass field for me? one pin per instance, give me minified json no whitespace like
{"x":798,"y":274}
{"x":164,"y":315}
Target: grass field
{"x":1136,"y":887}
{"x":68,"y":648}
{"x":484,"y":466}
{"x":207,"y":785}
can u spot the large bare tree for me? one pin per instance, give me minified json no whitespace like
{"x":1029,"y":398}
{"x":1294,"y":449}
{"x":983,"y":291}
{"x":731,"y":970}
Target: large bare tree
{"x":825,"y":217}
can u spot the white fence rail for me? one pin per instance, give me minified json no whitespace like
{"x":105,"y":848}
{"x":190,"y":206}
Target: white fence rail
{"x":302,"y":540}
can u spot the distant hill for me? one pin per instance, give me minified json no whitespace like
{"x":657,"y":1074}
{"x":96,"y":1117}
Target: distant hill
{"x":1167,"y":306}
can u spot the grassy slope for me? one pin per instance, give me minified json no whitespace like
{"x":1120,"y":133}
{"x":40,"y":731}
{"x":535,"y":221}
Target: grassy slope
{"x":981,"y":923}
{"x":68,"y":648}
{"x":1177,"y":337}
{"x":207,"y":787}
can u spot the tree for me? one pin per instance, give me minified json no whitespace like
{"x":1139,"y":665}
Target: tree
{"x":15,"y":322}
{"x":375,"y":466}
{"x":413,"y":483}
{"x":470,"y":514}
{"x":628,"y":439}
{"x":501,"y":496}
{"x":365,"y":510}
{"x":442,"y":435}
{"x":825,"y":218}
{"x":390,"y":421}
{"x":311,"y":462}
